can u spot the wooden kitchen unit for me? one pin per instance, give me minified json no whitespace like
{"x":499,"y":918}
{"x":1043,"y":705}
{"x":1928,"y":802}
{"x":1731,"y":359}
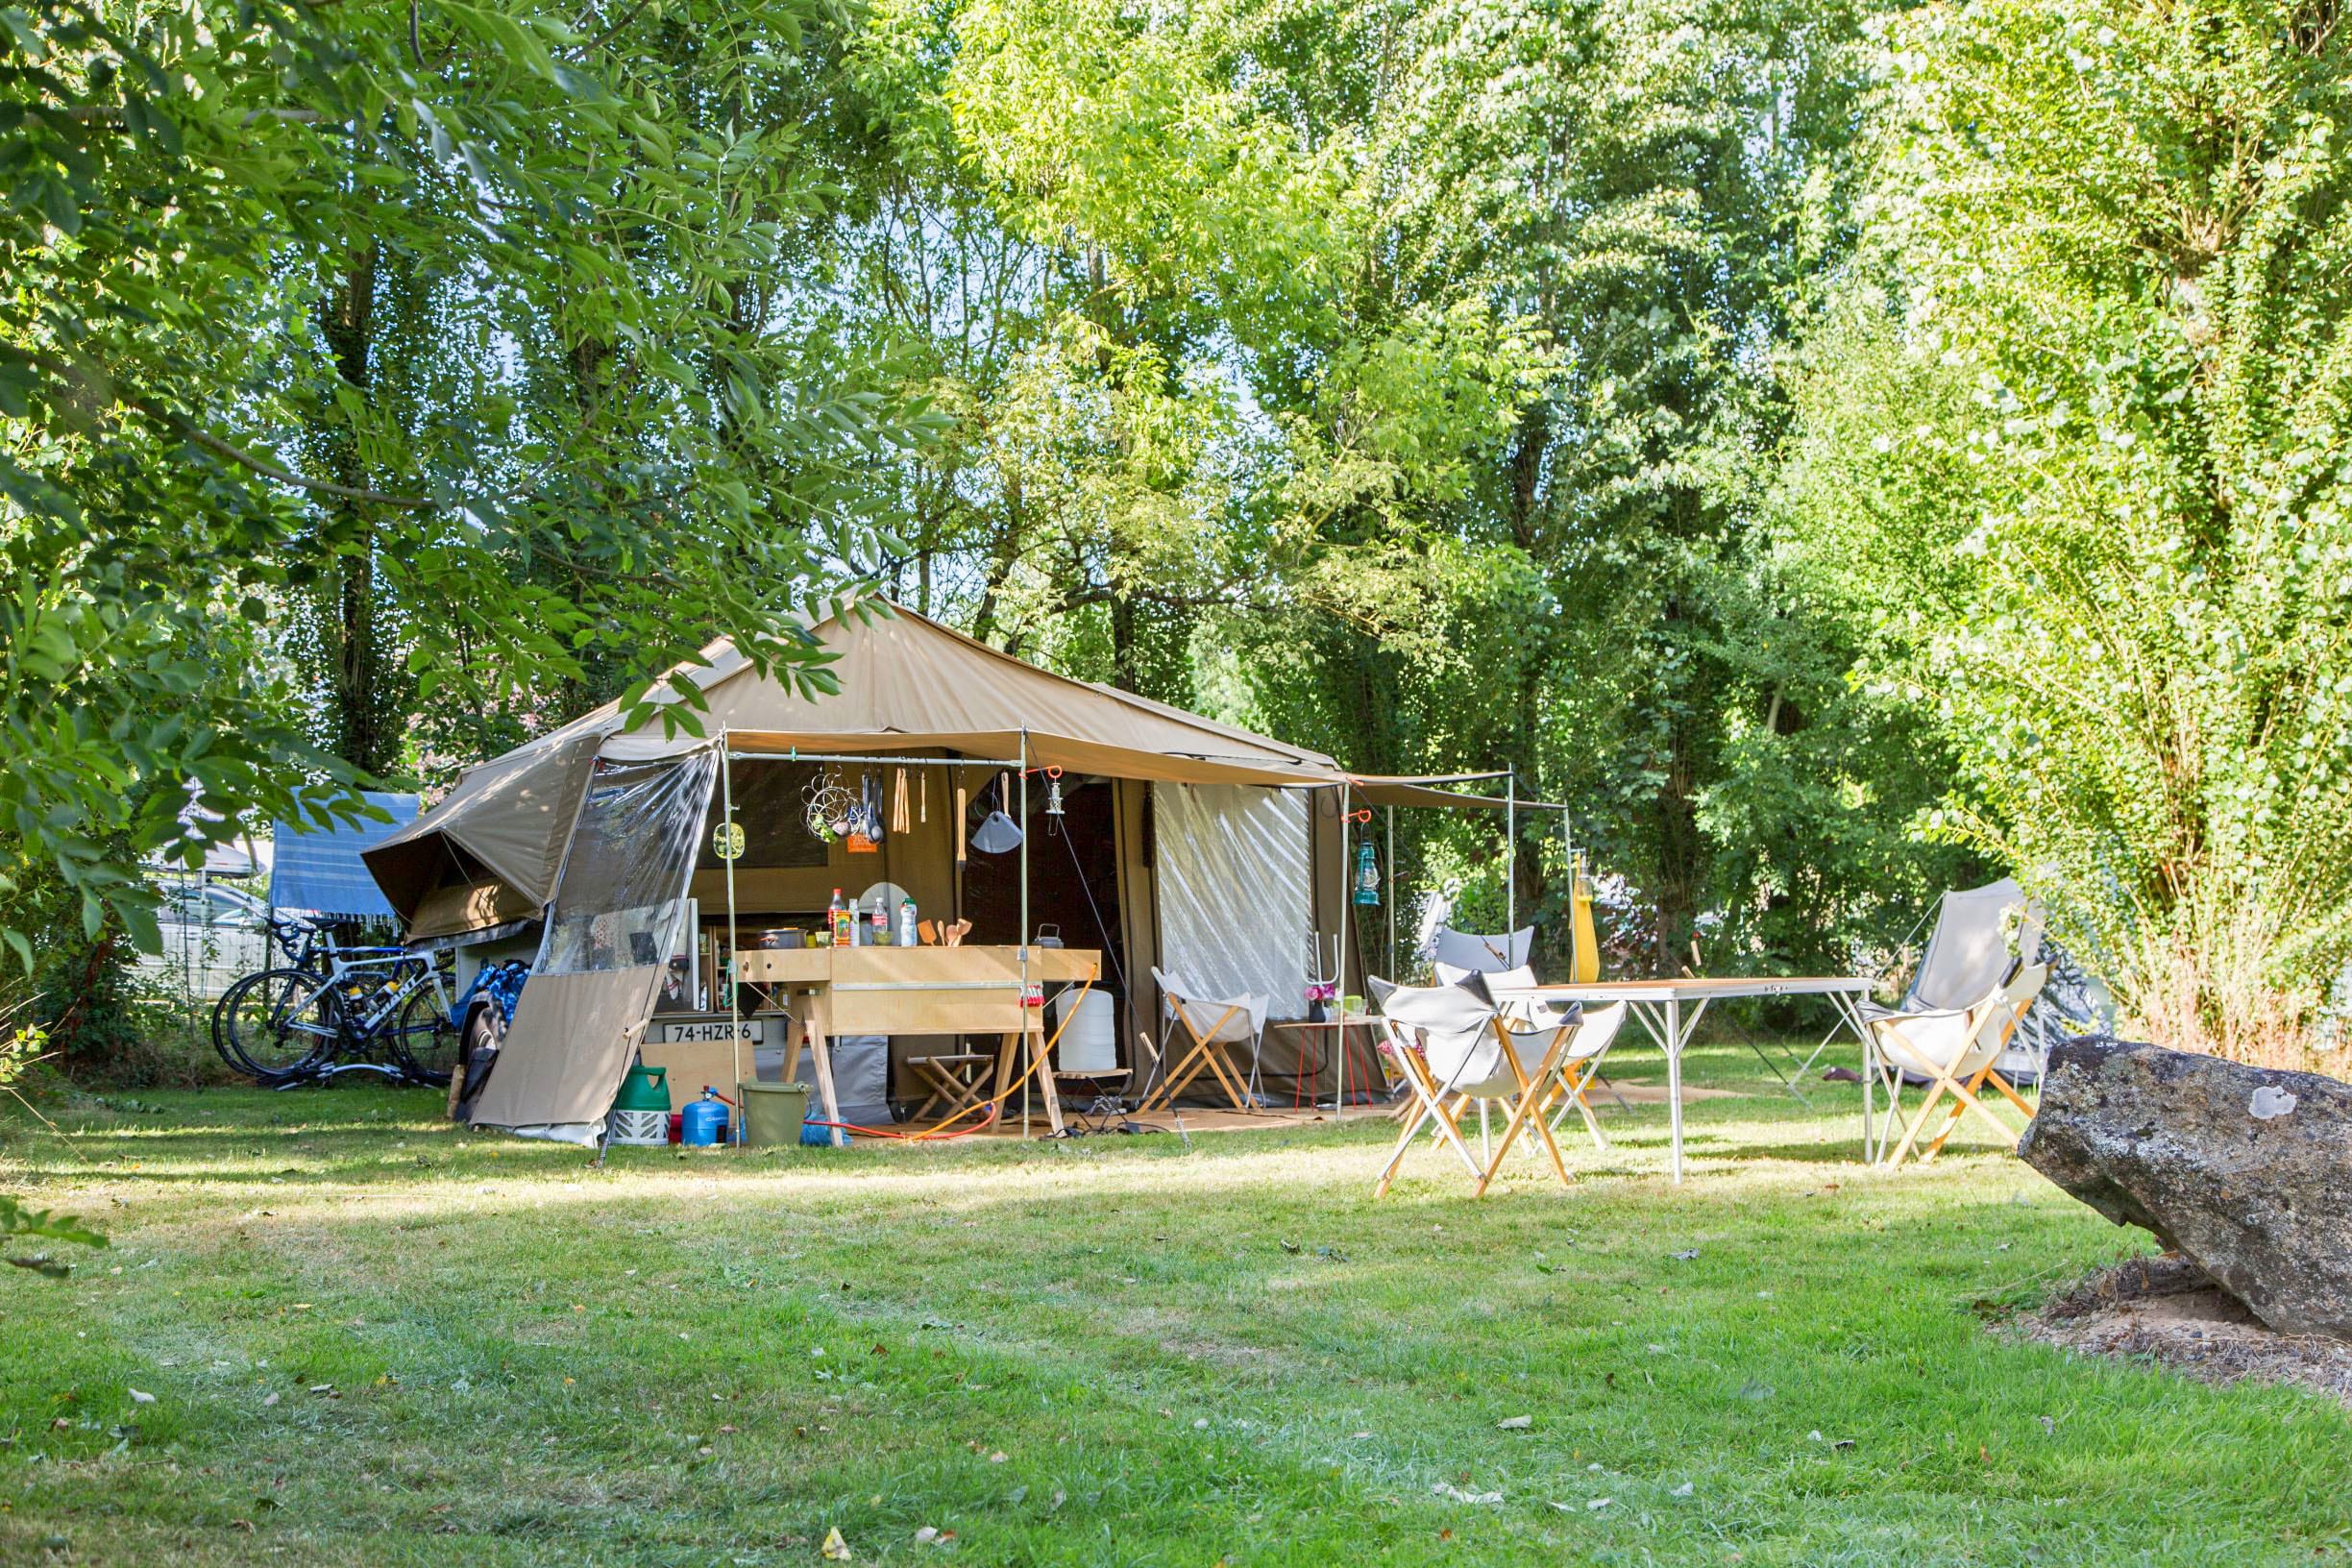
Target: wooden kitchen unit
{"x":837,"y":991}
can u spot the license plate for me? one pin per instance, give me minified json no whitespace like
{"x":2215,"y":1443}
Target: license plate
{"x":714,"y":1030}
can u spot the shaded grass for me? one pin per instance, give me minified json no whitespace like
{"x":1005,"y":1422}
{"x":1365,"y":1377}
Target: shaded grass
{"x":1100,"y":1352}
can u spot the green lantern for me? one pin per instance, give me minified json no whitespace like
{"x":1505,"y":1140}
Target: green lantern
{"x":1367,"y":876}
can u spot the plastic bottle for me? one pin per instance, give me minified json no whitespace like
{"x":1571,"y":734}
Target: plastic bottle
{"x":841,"y":923}
{"x":907,"y":937}
{"x":881,"y":920}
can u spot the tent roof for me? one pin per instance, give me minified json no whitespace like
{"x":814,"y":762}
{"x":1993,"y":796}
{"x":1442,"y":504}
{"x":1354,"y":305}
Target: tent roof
{"x":907,"y":684}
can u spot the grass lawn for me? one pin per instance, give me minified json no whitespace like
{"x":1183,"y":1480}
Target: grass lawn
{"x":372,"y":1337}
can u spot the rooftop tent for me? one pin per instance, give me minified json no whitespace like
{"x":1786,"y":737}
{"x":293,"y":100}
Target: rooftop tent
{"x":320,"y":870}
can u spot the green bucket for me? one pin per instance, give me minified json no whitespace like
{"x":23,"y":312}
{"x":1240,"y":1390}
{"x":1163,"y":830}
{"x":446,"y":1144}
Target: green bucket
{"x":772,"y":1112}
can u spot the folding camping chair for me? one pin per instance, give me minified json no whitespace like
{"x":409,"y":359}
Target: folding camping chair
{"x":1966,"y":953}
{"x":1599,"y":1033}
{"x":1214,"y":1025}
{"x":1957,"y":1049}
{"x":1484,"y":955}
{"x":1582,"y":1064}
{"x":956,"y":1082}
{"x":1455,"y":1045}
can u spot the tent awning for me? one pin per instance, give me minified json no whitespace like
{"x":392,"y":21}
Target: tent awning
{"x":320,"y":870}
{"x":507,"y":819}
{"x":1430,"y":790}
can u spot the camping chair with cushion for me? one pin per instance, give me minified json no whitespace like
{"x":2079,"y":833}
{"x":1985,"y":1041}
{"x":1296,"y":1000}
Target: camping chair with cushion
{"x":1467,"y":950}
{"x":1957,"y":1048}
{"x":1966,"y":953}
{"x":1214,"y":1026}
{"x":1600,"y":1030}
{"x":1456,"y":1048}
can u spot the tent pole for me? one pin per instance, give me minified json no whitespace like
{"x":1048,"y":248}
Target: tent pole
{"x":1022,"y":939}
{"x":726,"y":819}
{"x":1390,"y":951}
{"x":1347,"y":929}
{"x":1510,"y":859}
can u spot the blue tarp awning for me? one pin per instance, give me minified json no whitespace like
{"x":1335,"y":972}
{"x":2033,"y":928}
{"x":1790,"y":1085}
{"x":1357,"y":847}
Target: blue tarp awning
{"x":318,"y":868}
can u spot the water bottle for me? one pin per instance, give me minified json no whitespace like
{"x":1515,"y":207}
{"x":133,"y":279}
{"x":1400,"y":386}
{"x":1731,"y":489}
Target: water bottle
{"x":907,"y":937}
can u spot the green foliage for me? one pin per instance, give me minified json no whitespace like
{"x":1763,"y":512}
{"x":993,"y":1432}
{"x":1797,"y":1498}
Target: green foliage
{"x":17,"y":1052}
{"x":2074,"y":457}
{"x":1401,"y":378}
{"x":42,"y":1225}
{"x":619,"y":417}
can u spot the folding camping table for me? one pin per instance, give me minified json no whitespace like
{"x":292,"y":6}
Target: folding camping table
{"x":921,"y":990}
{"x":1660,"y":1006}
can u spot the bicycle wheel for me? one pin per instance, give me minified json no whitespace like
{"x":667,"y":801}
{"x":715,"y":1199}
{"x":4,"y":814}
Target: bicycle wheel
{"x":424,"y":1038}
{"x":272,"y":1022}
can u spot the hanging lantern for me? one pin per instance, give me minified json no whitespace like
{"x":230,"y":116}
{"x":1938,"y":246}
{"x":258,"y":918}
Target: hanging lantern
{"x":1367,"y":876}
{"x":1053,"y":792}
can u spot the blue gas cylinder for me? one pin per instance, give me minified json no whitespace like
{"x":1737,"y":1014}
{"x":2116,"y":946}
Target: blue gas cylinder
{"x":703,"y":1122}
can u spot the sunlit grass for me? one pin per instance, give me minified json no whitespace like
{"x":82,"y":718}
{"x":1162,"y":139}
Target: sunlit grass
{"x":372,"y":1337}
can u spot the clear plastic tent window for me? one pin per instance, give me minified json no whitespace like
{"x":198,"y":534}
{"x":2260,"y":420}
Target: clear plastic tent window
{"x":1236,"y":915}
{"x":620,"y":902}
{"x":623,"y":891}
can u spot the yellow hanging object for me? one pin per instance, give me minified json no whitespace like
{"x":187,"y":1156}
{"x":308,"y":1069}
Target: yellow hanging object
{"x":1580,"y":924}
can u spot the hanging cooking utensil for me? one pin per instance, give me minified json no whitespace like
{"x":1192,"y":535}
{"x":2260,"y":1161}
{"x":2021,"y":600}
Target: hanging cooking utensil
{"x":961,"y":809}
{"x":900,"y":822}
{"x":865,"y":823}
{"x":997,"y":833}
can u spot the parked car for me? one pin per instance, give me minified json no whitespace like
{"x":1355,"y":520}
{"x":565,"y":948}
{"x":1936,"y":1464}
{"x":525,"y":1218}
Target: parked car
{"x":212,"y":935}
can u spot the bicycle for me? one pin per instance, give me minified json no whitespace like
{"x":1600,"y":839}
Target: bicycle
{"x":292,"y":1024}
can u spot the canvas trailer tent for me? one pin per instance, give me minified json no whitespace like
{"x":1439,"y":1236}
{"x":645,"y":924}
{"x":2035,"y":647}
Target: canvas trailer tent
{"x":1178,"y":841}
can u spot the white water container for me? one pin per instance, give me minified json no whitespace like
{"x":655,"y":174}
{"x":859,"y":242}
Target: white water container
{"x":1090,"y":1042}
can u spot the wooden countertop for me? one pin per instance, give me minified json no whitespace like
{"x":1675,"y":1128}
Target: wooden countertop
{"x":915,"y":968}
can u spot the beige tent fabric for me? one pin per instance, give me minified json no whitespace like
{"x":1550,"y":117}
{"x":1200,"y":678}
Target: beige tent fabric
{"x":510,"y":815}
{"x":457,"y":907}
{"x":907,"y":684}
{"x":1424,"y":790}
{"x":571,"y":1042}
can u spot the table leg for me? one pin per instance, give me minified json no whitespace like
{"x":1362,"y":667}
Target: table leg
{"x":795,"y":1028}
{"x":1673,"y":1083}
{"x":1041,"y":1052}
{"x":824,"y":1088}
{"x":1869,"y":1150}
{"x":1005,"y":1052}
{"x":1341,"y":1034}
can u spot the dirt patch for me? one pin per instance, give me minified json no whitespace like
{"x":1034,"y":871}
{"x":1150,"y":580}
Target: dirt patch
{"x":2167,"y":1309}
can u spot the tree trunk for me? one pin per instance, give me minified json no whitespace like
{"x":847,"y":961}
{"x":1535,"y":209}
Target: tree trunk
{"x":367,"y":730}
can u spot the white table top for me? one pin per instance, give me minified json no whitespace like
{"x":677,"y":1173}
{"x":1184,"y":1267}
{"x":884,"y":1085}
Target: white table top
{"x":1694,"y":988}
